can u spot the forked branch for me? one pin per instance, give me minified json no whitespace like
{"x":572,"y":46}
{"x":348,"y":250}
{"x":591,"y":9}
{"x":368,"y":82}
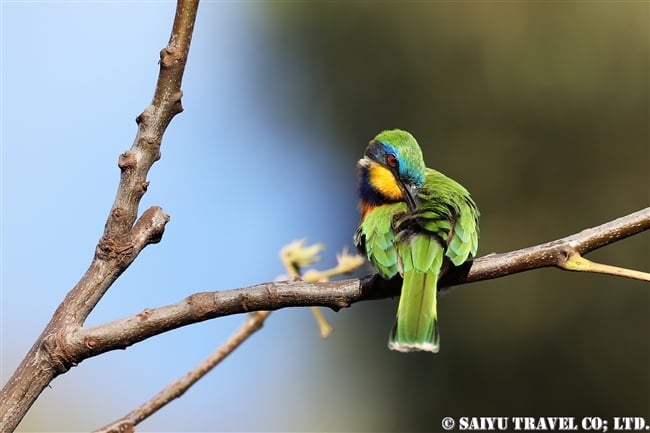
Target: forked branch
{"x":125,"y":235}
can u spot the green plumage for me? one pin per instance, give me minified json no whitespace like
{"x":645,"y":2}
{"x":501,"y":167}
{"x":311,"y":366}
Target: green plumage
{"x":379,"y":237}
{"x":416,"y":324}
{"x":434,"y":226}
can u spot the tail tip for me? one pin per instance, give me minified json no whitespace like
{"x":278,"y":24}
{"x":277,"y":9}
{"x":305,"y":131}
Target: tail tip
{"x":413,"y":347}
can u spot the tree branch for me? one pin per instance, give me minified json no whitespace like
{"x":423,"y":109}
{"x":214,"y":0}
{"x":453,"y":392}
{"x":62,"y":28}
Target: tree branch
{"x":554,"y":253}
{"x":119,"y":334}
{"x":123,"y":237}
{"x":127,"y":423}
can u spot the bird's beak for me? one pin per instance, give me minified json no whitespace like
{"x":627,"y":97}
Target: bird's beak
{"x":364,"y":162}
{"x":409,"y":192}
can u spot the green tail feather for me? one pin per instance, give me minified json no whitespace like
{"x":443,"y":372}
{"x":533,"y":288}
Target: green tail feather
{"x":416,"y":325}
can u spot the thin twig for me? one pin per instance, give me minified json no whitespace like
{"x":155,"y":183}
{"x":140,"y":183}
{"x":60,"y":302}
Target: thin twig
{"x":579,"y":264}
{"x":254,"y":322}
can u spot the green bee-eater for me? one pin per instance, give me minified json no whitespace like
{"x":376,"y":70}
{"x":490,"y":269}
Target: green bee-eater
{"x":415,"y":221}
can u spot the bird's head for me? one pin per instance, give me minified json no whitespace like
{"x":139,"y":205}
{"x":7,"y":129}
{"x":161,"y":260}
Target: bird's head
{"x":395,"y":165}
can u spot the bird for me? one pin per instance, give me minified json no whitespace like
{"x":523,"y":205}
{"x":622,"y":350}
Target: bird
{"x":415,"y":222}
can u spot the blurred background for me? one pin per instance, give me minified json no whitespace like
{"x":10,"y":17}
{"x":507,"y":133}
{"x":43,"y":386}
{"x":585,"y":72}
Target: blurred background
{"x":539,"y":109}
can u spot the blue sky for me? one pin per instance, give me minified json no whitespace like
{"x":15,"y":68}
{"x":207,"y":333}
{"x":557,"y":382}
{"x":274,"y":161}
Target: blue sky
{"x":239,"y":176}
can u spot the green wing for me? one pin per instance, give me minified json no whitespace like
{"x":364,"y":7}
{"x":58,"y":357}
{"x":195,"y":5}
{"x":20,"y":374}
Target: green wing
{"x":375,"y":238}
{"x":446,"y":210}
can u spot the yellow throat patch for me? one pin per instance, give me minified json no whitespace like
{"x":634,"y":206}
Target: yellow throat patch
{"x":383,"y":181}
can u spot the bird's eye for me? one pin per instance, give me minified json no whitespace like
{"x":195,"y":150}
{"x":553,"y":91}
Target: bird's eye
{"x":392,"y":162}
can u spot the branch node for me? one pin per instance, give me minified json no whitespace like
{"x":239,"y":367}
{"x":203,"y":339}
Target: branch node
{"x":177,"y":106}
{"x":142,"y":187}
{"x":56,"y":356}
{"x":118,"y":213}
{"x":90,"y":342}
{"x":272,"y":291}
{"x":111,"y":249}
{"x":341,"y":304}
{"x":565,"y":255}
{"x":120,"y":427}
{"x":143,"y":119}
{"x":200,"y":305}
{"x":575,"y":262}
{"x":244,"y":299}
{"x":145,"y":314}
{"x":169,"y":56}
{"x":150,"y":227}
{"x":127,"y":160}
{"x":151,"y":145}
